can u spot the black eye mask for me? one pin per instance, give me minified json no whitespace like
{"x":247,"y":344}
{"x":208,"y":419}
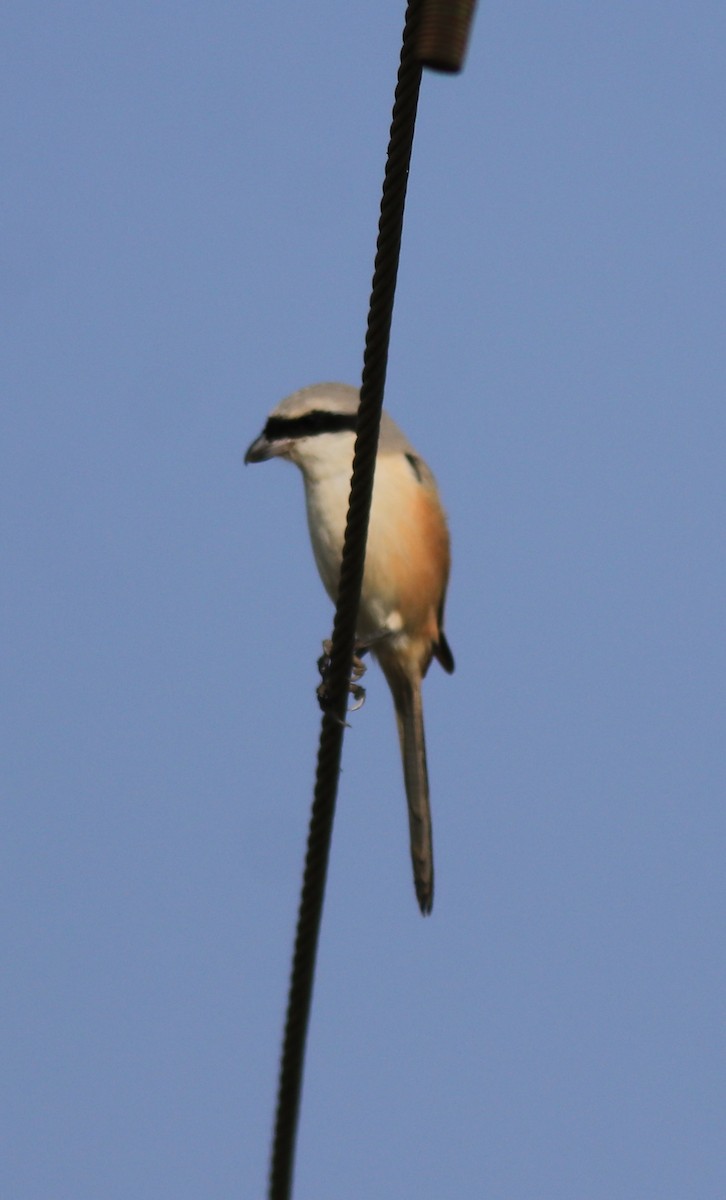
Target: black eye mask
{"x":309,"y":425}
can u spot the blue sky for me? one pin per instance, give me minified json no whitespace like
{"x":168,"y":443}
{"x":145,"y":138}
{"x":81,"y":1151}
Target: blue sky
{"x":189,"y":204}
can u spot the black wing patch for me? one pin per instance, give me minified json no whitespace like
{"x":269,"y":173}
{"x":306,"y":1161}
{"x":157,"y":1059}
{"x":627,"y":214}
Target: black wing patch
{"x":415,"y":466}
{"x":442,"y":651}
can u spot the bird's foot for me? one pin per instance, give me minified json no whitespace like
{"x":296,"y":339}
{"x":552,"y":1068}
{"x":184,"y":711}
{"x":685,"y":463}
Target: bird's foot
{"x":357,"y":671}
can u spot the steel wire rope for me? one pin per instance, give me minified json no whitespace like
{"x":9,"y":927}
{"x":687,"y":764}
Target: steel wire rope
{"x":375,"y":360}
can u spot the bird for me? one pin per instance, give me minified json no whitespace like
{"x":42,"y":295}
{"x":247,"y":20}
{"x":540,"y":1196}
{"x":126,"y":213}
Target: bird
{"x":407,"y":563}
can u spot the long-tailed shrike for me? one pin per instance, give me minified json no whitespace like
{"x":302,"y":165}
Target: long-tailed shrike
{"x":406,"y":567}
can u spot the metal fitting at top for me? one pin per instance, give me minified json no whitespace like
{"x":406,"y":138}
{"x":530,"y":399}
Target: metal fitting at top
{"x":443,"y":33}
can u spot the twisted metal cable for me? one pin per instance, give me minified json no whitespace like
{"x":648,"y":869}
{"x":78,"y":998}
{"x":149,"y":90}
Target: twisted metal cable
{"x":375,"y":361}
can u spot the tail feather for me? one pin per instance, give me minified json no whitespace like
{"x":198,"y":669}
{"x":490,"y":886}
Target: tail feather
{"x":409,"y":716}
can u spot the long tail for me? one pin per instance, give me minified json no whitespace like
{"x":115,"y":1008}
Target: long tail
{"x":409,"y":716}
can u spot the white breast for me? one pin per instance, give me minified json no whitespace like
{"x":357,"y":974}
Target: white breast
{"x":327,"y":506}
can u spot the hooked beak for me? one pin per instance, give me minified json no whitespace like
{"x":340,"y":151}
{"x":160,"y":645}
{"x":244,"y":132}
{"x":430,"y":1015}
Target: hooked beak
{"x":262,"y":449}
